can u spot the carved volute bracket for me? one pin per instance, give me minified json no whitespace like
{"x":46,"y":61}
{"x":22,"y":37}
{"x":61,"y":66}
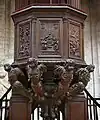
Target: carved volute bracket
{"x":68,"y":80}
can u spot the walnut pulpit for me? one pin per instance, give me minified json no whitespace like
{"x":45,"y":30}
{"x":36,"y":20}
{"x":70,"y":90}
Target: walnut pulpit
{"x":49,"y":69}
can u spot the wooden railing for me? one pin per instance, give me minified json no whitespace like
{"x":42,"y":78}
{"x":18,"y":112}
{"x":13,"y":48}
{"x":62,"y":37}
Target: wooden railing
{"x":4,"y":105}
{"x":93,"y":108}
{"x":4,"y":108}
{"x":20,"y":4}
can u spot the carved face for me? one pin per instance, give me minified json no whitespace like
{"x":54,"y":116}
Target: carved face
{"x":7,"y":67}
{"x":60,"y":72}
{"x":64,"y":75}
{"x":90,"y":68}
{"x":32,"y":62}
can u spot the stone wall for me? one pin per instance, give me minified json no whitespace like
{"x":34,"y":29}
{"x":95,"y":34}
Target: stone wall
{"x":91,"y":44}
{"x":6,"y":41}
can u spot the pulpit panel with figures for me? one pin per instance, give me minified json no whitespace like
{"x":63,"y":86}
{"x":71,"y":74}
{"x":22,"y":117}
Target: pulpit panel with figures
{"x":49,"y":37}
{"x":75,"y":39}
{"x":23,"y":46}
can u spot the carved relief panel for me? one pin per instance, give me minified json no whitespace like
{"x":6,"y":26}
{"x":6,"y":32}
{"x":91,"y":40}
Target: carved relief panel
{"x":50,"y":36}
{"x":24,"y":40}
{"x":75,"y":40}
{"x":47,"y":36}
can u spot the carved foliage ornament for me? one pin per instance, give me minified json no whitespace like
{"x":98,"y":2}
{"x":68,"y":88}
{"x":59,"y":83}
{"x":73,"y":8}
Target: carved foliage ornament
{"x":74,"y":40}
{"x":24,"y":40}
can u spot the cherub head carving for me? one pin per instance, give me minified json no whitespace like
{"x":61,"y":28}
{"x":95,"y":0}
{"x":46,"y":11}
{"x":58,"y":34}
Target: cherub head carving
{"x":32,"y":62}
{"x":7,"y":67}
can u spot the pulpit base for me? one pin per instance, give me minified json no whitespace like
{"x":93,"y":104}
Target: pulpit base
{"x":19,"y":108}
{"x":76,"y":109}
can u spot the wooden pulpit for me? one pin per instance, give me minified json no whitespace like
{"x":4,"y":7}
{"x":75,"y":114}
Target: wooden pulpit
{"x":48,"y":60}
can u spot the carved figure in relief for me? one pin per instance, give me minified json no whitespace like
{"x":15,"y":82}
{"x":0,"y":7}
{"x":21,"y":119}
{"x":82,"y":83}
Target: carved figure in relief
{"x":83,"y":77}
{"x":64,"y":76}
{"x":75,"y":89}
{"x":24,"y":40}
{"x":50,"y":42}
{"x":83,"y":74}
{"x":74,"y":40}
{"x":51,"y":94}
{"x":16,"y":76}
{"x":35,"y":73}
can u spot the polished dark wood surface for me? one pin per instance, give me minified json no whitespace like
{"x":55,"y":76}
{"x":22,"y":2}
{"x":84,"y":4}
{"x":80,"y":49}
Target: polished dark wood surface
{"x":20,"y":4}
{"x":49,"y":34}
{"x":77,"y":108}
{"x":19,"y":108}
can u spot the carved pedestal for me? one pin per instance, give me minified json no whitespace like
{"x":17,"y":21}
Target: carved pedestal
{"x":76,"y":108}
{"x":19,"y":108}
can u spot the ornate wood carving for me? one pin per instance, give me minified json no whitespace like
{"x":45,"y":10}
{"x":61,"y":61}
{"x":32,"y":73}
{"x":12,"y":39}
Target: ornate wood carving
{"x":52,"y":36}
{"x":48,"y":94}
{"x":74,"y":40}
{"x":49,"y":43}
{"x":24,"y":47}
{"x":49,"y":30}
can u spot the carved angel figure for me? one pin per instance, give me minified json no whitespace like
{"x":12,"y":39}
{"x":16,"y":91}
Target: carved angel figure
{"x":35,"y":73}
{"x":75,"y":89}
{"x":84,"y":74}
{"x":64,"y":76}
{"x":15,"y":77}
{"x":83,"y":77}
